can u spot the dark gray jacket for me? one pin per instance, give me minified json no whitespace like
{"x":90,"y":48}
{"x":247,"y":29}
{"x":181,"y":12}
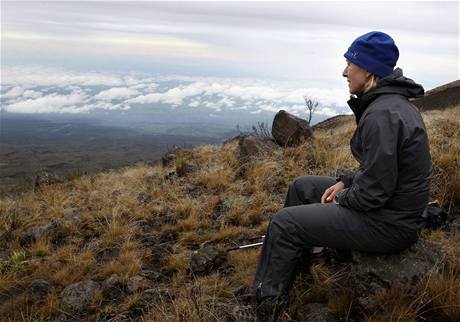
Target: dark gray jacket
{"x":391,"y":145}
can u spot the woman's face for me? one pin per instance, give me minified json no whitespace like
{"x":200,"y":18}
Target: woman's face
{"x":356,"y":77}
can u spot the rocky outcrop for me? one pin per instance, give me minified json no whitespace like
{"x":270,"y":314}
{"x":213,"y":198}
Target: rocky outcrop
{"x":44,"y":179}
{"x":371,"y":274}
{"x":290,"y":130}
{"x":251,"y":146}
{"x":56,"y":229}
{"x":35,"y":233}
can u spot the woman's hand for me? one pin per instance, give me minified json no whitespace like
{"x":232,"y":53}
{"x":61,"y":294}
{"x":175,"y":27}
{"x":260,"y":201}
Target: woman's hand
{"x":329,"y":194}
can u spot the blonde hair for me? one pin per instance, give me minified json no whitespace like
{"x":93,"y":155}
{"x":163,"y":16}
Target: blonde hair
{"x":371,"y":83}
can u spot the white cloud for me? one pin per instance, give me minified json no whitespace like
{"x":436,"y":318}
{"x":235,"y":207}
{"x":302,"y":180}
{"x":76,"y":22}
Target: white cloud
{"x":31,"y":94}
{"x":52,"y":103}
{"x":116,"y":93}
{"x":173,"y":96}
{"x":326,"y":111}
{"x":194,"y":103}
{"x":213,"y":105}
{"x":14,"y":92}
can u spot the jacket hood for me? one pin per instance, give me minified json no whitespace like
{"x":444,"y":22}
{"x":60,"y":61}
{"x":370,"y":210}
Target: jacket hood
{"x":395,"y":83}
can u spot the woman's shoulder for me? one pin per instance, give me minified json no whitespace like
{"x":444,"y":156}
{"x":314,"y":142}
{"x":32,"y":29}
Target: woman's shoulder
{"x":392,"y":108}
{"x":391,"y":103}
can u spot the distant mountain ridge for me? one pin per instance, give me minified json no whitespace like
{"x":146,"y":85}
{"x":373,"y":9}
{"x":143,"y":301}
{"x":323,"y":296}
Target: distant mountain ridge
{"x":440,"y":97}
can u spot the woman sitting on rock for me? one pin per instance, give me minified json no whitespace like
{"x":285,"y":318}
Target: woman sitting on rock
{"x":378,"y":208}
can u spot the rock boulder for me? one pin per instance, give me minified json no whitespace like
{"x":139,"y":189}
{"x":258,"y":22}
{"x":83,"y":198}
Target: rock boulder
{"x":290,"y":130}
{"x":370,"y":273}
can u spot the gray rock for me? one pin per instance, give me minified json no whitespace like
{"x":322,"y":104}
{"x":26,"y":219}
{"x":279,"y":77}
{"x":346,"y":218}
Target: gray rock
{"x":290,"y":130}
{"x":110,"y":282}
{"x":151,"y":275}
{"x":206,"y":260}
{"x":4,"y":255}
{"x":168,"y":159}
{"x":35,"y":233}
{"x":159,"y":294}
{"x":45,"y":179}
{"x":38,"y":289}
{"x":72,"y":216}
{"x":241,"y":313}
{"x":76,"y":298}
{"x":143,"y":198}
{"x":251,"y":146}
{"x":371,"y":273}
{"x":315,"y":312}
{"x":135,"y":283}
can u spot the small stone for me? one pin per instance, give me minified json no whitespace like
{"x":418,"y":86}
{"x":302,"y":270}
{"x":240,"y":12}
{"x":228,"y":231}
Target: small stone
{"x":77,"y":297}
{"x":110,"y":282}
{"x":152,"y":275}
{"x":243,"y":313}
{"x":39,"y":288}
{"x":112,"y":289}
{"x":72,"y":216}
{"x":206,"y":260}
{"x":135,"y":283}
{"x":45,"y":179}
{"x":143,"y":198}
{"x":168,"y":159}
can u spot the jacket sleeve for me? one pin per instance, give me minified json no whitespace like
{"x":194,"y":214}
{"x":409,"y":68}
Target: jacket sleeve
{"x":347,"y":179}
{"x":375,"y":180}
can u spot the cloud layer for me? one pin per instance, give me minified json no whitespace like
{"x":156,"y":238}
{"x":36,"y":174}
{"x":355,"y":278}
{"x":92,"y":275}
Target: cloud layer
{"x":44,"y":90}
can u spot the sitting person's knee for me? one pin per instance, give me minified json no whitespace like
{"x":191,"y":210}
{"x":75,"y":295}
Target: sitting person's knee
{"x":279,"y":218}
{"x":300,"y":183}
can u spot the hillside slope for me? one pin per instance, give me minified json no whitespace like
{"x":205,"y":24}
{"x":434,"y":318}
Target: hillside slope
{"x":133,"y":231}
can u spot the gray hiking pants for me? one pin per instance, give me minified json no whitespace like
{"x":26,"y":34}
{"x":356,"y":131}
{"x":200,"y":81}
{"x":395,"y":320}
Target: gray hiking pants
{"x":304,"y":222}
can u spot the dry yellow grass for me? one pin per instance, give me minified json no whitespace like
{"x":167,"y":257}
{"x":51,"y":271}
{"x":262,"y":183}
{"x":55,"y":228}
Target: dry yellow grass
{"x":140,"y":219}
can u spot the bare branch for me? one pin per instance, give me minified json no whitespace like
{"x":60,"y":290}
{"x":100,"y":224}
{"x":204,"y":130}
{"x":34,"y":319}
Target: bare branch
{"x":311,"y":104}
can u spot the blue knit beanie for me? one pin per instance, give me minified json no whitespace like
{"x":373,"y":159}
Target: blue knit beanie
{"x":375,"y":52}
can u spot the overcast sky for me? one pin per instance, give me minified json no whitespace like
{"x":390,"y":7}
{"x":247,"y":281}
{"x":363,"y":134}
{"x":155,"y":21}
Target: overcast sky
{"x":296,"y":43}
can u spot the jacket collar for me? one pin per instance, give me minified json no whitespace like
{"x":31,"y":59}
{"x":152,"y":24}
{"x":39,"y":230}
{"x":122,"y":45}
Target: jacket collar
{"x":395,"y":83}
{"x":359,"y":104}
